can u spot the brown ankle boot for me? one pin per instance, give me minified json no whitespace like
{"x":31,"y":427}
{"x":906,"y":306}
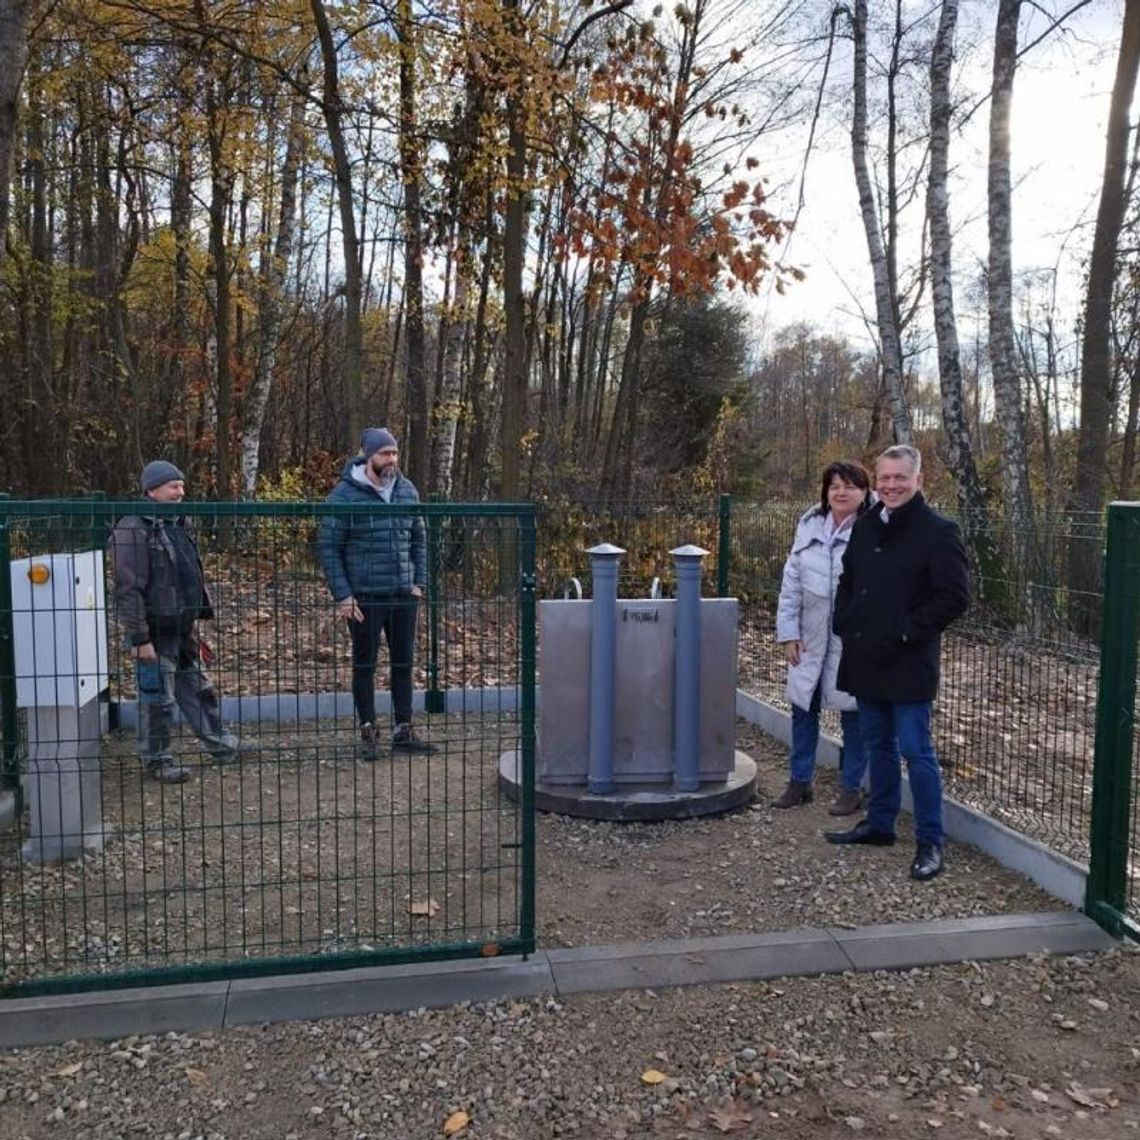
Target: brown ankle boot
{"x":797,"y":792}
{"x":846,"y":802}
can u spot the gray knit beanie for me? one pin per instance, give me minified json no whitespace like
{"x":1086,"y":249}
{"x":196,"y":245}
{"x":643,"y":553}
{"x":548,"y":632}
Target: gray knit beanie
{"x":157,"y":472}
{"x":376,"y":439}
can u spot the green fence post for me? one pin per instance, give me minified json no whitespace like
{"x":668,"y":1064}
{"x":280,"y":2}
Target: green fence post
{"x":1106,"y":892}
{"x":724,"y":545}
{"x":528,"y":587}
{"x":434,"y":700}
{"x":10,"y":762}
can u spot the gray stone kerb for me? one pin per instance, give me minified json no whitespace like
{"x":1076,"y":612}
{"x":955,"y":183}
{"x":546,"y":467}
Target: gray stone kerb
{"x":195,"y":1008}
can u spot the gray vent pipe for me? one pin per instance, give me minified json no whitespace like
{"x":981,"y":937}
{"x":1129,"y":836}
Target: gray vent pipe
{"x":604,"y":560}
{"x":687,"y":670}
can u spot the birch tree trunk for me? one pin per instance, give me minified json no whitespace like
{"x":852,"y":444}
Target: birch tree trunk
{"x":445,"y":414}
{"x":959,"y":443}
{"x":1097,"y":397}
{"x":13,"y":56}
{"x":271,"y":291}
{"x":885,"y":306}
{"x":1008,"y":403}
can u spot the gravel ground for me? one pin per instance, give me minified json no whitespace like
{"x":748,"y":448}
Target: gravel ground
{"x":1029,"y":1049}
{"x":759,"y":869}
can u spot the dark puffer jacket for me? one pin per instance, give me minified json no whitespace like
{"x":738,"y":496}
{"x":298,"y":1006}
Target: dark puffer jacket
{"x":149,"y":597}
{"x":903,"y":583}
{"x":379,"y":554}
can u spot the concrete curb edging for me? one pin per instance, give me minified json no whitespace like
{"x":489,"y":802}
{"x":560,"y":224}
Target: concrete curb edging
{"x":112,"y":1014}
{"x":1060,"y":876}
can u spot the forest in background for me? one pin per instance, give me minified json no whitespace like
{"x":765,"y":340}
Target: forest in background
{"x":521,"y":234}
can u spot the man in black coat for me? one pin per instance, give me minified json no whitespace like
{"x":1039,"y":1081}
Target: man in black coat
{"x":905,"y":579}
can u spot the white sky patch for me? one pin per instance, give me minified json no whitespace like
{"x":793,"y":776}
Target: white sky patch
{"x":1060,"y":109}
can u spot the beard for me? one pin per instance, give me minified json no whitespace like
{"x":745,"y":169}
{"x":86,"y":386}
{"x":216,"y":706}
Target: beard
{"x":385,"y":472}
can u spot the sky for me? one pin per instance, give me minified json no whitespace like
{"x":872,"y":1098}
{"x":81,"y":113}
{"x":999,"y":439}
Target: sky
{"x":1060,"y":108}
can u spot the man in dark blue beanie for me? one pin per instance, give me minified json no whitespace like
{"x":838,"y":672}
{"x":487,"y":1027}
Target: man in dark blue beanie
{"x":378,"y":439}
{"x":160,"y":595}
{"x":376,"y":568}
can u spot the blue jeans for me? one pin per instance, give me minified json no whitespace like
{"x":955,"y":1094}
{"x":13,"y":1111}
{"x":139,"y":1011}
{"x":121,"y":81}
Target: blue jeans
{"x":891,"y":730}
{"x":805,"y":739}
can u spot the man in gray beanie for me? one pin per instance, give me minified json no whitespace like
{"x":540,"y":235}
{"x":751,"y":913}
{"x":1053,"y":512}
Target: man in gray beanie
{"x":376,"y":568}
{"x":160,"y":595}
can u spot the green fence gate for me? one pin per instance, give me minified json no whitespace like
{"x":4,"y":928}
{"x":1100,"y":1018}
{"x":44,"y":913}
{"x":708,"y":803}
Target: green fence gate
{"x":300,"y":856}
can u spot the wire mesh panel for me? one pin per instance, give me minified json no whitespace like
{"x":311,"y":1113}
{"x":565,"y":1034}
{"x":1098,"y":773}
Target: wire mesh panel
{"x":267,"y":830}
{"x":645,"y":530}
{"x":1016,"y":708}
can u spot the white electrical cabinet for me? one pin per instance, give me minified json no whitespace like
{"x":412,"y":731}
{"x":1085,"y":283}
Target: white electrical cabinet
{"x":59,"y":618}
{"x":59,"y":611}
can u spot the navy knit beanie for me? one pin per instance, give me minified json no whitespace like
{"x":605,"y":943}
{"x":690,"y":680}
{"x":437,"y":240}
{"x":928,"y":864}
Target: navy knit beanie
{"x":157,"y":472}
{"x":376,"y":439}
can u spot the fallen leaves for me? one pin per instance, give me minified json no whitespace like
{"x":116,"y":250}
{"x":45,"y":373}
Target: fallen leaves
{"x":427,"y":908}
{"x":69,"y":1070}
{"x":196,"y":1077}
{"x":1091,"y":1098}
{"x":652,"y":1077}
{"x":456,"y":1123}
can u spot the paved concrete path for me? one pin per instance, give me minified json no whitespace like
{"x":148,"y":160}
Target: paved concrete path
{"x":346,"y":993}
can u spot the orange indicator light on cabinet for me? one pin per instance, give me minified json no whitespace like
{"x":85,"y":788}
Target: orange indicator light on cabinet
{"x":38,"y":574}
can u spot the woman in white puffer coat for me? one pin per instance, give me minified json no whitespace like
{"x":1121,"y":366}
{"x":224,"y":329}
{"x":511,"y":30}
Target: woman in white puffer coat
{"x":803,"y":627}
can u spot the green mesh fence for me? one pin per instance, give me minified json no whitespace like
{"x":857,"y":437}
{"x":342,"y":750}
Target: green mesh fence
{"x":301,"y":855}
{"x":646,"y":531}
{"x":292,"y":852}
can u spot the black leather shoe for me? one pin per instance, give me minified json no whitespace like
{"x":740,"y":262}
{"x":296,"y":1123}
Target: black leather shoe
{"x":927,"y":862}
{"x":862,"y":832}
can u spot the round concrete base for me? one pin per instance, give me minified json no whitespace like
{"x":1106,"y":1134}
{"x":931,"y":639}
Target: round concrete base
{"x":636,"y":802}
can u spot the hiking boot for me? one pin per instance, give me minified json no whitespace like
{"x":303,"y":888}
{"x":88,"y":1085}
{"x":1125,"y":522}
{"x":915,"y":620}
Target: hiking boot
{"x":369,"y":743}
{"x":232,"y":754}
{"x":167,"y":770}
{"x":404,"y":739}
{"x":846,"y":802}
{"x":796,"y":793}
